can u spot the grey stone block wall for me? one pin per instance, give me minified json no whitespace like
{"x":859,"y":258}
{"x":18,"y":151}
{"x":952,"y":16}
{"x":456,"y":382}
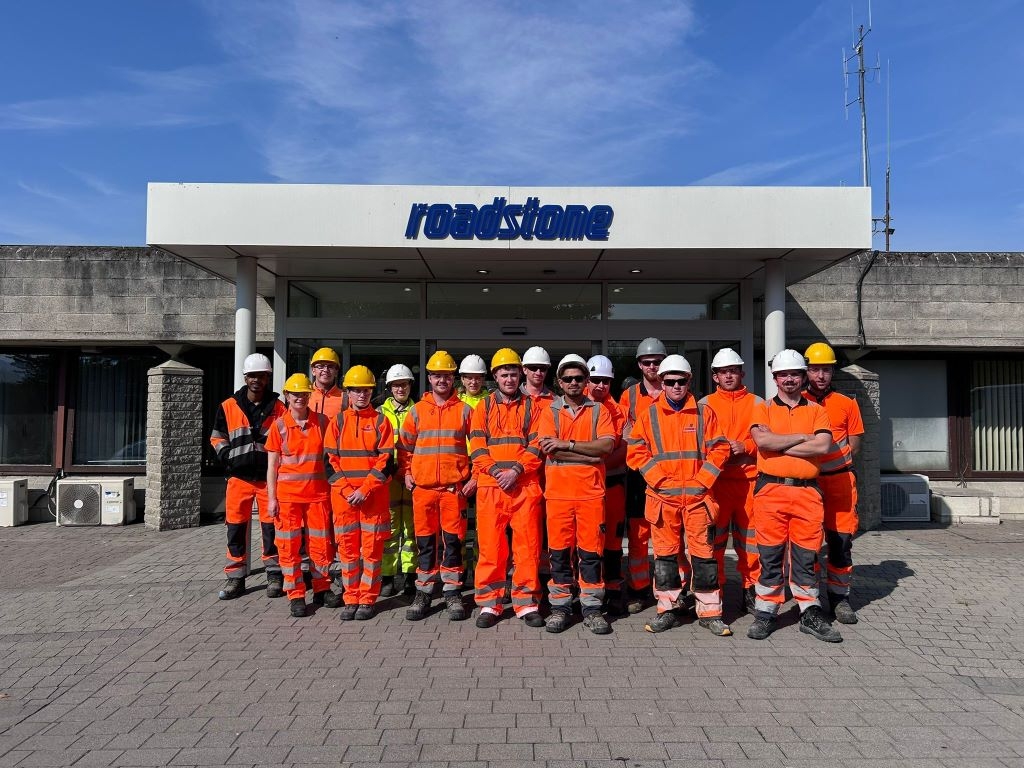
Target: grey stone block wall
{"x":174,"y":434}
{"x":863,"y":385}
{"x":84,"y":294}
{"x":924,"y":300}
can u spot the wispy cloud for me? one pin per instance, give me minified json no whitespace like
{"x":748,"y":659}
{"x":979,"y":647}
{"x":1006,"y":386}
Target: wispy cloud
{"x":457,"y":93}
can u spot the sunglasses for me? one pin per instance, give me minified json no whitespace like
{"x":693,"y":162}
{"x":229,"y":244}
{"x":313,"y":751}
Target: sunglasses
{"x":573,"y":379}
{"x":675,"y":382}
{"x":535,"y":368}
{"x":600,"y":382}
{"x":649,"y":363}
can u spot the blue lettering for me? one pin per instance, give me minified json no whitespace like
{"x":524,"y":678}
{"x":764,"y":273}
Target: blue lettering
{"x":489,"y":218}
{"x":439,"y":219}
{"x":462,"y":223}
{"x":598,"y":222}
{"x":412,"y":229}
{"x":574,"y":222}
{"x":529,"y":217}
{"x":549,"y":219}
{"x":510,"y":214}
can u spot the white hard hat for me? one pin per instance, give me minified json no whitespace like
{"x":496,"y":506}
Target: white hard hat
{"x":572,"y":359}
{"x":600,"y":366}
{"x":473,"y":364}
{"x":674,"y":364}
{"x":725,"y":358}
{"x":537,"y":356}
{"x":398,"y":372}
{"x":789,"y":360}
{"x":257,"y":363}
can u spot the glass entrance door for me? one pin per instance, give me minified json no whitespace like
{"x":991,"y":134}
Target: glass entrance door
{"x":557,"y":349}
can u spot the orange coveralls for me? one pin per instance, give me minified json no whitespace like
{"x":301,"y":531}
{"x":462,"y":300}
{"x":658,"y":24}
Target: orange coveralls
{"x":238,"y":440}
{"x":680,"y":454}
{"x":614,"y":505}
{"x":638,"y":530}
{"x":302,"y":492}
{"x":839,"y":487}
{"x":788,"y":513}
{"x":359,"y":445}
{"x":734,"y":489}
{"x":432,"y":448}
{"x":574,"y":494}
{"x":504,"y":436}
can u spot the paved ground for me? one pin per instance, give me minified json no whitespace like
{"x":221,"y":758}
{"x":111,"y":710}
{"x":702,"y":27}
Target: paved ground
{"x":115,"y":651}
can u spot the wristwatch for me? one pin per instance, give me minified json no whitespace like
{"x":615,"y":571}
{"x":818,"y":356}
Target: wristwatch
{"x":572,"y":445}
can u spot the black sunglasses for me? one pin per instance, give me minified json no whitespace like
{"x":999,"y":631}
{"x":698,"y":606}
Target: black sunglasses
{"x":675,"y":382}
{"x":535,"y":367}
{"x":573,"y":379}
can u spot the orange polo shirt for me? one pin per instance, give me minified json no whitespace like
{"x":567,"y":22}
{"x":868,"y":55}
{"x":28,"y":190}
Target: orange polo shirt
{"x":300,"y":477}
{"x":734,"y":411}
{"x":844,"y":416}
{"x":804,"y":418}
{"x":569,"y":480}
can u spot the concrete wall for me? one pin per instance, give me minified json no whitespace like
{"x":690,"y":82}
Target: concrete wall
{"x":55,"y":294}
{"x":924,"y":300}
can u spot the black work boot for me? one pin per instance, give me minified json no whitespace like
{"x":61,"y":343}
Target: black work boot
{"x":328,"y":599}
{"x":814,"y":623}
{"x":614,"y":604}
{"x":297,"y":607}
{"x":841,"y":608}
{"x":663,"y":621}
{"x":387,"y":586}
{"x":419,"y":608}
{"x":597,"y":623}
{"x":764,"y":625}
{"x":275,"y":584}
{"x":232,"y":588}
{"x":559,"y":621}
{"x":456,"y":608}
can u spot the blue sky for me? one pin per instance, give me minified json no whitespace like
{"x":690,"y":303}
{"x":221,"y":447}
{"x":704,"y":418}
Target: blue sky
{"x":101,"y":97}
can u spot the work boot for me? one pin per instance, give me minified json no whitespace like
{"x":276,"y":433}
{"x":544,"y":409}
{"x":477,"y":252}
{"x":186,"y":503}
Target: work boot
{"x":297,"y":607}
{"x":597,"y":624}
{"x":275,"y":584}
{"x":327,"y":599}
{"x":814,"y":623}
{"x":409,"y":590}
{"x":365,"y":612}
{"x":687,"y":602}
{"x":614,"y":604}
{"x":419,"y":608}
{"x":456,"y":608}
{"x":533,"y":619}
{"x":486,"y":619}
{"x":387,"y":586}
{"x":348,"y":612}
{"x":636,"y":601}
{"x":761,"y":628}
{"x":232,"y":588}
{"x":715,"y":626}
{"x":558,"y":621}
{"x":842,"y":609}
{"x":749,"y":598}
{"x":663,"y":622}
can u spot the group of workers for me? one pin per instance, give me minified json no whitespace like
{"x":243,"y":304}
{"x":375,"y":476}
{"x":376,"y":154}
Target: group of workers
{"x":361,"y":497}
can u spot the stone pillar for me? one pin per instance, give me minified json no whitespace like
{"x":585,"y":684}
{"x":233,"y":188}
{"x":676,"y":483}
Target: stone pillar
{"x":174,"y":439}
{"x":862,"y":384}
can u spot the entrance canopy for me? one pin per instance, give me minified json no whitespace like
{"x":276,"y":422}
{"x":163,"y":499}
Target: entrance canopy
{"x":515,"y":233}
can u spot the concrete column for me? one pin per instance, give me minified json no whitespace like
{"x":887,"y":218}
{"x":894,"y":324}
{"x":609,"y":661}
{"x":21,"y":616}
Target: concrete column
{"x":245,"y":313}
{"x":280,"y":332}
{"x":174,"y":440}
{"x":774,"y":318}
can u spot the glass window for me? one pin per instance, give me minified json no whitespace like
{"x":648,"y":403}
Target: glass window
{"x":27,"y":408}
{"x":354,"y":301}
{"x":550,"y":301}
{"x":110,"y":409}
{"x":997,"y":415}
{"x":379,"y":355}
{"x":915,"y":424}
{"x":671,"y":301}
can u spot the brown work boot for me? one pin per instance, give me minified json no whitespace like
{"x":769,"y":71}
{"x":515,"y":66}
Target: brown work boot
{"x":275,"y":584}
{"x":233,"y":588}
{"x":420,"y":607}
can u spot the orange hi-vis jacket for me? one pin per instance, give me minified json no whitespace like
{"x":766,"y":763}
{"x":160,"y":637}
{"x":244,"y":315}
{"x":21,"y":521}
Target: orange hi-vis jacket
{"x":504,"y":436}
{"x":329,"y":403}
{"x":635,"y":399}
{"x":679,"y":453}
{"x":239,"y":432}
{"x":845,"y":420}
{"x":570,"y":480}
{"x":432,"y":442}
{"x":619,"y":422}
{"x":734,"y":410}
{"x":804,"y":418}
{"x":300,"y":477}
{"x":359,"y":445}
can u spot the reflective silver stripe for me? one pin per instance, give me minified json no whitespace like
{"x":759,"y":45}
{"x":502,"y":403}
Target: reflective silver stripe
{"x":840,"y":462}
{"x":216,"y":434}
{"x":478,"y":433}
{"x":320,"y":533}
{"x":350,"y":528}
{"x":507,"y":441}
{"x":522,"y":602}
{"x":301,"y":458}
{"x":379,"y":475}
{"x":659,"y":448}
{"x":240,"y":432}
{"x":805,"y":593}
{"x":689,"y":490}
{"x":434,"y":450}
{"x":356,"y":453}
{"x":241,"y":450}
{"x":648,"y":466}
{"x":669,"y":455}
{"x":500,"y":465}
{"x":433,"y":434}
{"x":535,"y":451}
{"x":292,"y":534}
{"x":299,"y":477}
{"x":478,"y":453}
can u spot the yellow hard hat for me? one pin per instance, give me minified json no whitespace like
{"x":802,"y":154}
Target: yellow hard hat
{"x":298,"y":383}
{"x":505,"y":356}
{"x":820,"y":353}
{"x":441,"y":362}
{"x":359,"y":376}
{"x":326,"y":355}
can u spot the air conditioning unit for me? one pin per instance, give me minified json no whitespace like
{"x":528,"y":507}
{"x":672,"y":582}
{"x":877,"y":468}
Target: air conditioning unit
{"x":96,"y":501}
{"x":13,"y":501}
{"x":905,"y":498}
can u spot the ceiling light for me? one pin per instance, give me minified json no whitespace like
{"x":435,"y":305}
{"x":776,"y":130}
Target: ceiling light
{"x":407,"y":290}
{"x":635,"y":271}
{"x":616,"y":290}
{"x":538,"y":290}
{"x":483,"y":271}
{"x":485,"y":290}
{"x":390,"y":271}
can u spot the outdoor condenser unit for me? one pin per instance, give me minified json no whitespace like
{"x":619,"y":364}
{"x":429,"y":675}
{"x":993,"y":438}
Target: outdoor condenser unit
{"x":13,"y":501}
{"x":96,"y":501}
{"x":905,"y":498}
